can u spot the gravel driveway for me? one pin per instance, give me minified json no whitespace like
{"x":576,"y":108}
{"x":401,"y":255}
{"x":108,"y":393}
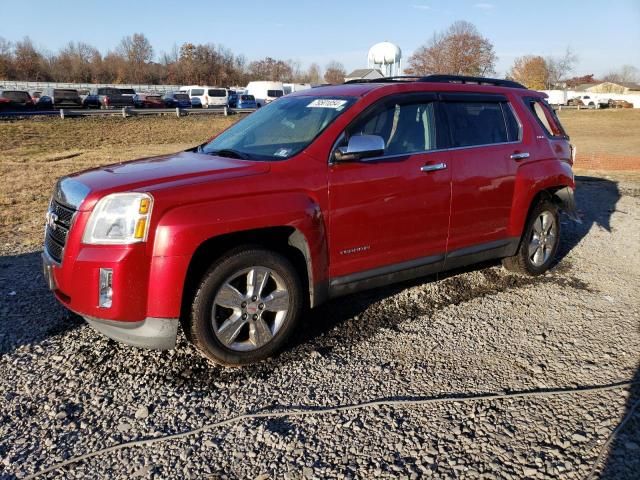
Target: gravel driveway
{"x":432,"y":353}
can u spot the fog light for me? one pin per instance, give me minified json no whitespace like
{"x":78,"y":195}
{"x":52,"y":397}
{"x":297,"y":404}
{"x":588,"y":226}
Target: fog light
{"x":105,"y":292}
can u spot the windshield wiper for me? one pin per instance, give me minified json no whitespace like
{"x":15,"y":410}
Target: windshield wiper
{"x":230,"y":153}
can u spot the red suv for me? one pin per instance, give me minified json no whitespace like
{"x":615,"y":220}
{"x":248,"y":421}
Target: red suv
{"x":323,"y":193}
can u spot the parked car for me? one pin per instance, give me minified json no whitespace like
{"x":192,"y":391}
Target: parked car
{"x":112,"y":97}
{"x":232,"y":99}
{"x":265,"y":92}
{"x":588,"y":101}
{"x":177,"y":99}
{"x":89,"y":99}
{"x":245,"y":101}
{"x":148,"y":100}
{"x":208,"y":96}
{"x":620,"y":104}
{"x":16,"y":100}
{"x":323,"y":193}
{"x":44,"y":103}
{"x":63,"y":97}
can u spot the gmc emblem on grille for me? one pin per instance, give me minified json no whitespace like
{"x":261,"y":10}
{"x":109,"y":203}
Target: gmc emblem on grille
{"x":51,"y":219}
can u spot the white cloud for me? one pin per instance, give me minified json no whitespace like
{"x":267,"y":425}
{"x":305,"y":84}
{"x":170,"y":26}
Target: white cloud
{"x":484,"y":6}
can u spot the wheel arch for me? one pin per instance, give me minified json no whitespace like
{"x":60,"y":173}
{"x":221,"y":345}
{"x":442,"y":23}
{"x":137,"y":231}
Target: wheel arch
{"x":286,"y":240}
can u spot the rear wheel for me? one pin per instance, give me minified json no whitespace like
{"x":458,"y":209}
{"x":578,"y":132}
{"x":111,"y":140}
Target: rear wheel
{"x":539,"y":243}
{"x":246,"y":307}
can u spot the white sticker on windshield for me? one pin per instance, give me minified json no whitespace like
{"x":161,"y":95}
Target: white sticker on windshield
{"x":327,"y":103}
{"x":283,"y":152}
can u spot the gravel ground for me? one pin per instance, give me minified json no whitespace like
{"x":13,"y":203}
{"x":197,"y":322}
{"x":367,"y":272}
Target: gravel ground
{"x":431,"y":350}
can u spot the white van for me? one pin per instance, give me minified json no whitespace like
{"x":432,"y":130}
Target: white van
{"x":295,"y":87}
{"x":208,"y":96}
{"x":265,"y":92}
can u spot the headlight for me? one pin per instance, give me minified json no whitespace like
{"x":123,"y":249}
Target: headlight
{"x":119,"y":218}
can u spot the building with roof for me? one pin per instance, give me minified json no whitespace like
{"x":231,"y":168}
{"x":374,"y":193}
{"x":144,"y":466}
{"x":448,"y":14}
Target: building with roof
{"x":364,"y":74}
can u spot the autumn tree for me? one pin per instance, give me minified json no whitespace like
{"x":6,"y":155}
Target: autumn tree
{"x":334,"y":72}
{"x":531,"y":71}
{"x":270,"y":69}
{"x":29,"y":63}
{"x":460,"y":50}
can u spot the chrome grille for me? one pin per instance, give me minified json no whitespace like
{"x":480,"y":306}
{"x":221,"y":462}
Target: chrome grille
{"x":59,"y":219}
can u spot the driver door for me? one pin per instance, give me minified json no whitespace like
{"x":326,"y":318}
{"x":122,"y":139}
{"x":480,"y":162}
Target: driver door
{"x":391,"y":213}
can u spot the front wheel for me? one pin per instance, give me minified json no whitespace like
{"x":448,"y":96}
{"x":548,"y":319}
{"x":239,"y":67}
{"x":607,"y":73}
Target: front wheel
{"x":539,"y":243}
{"x":247,"y":305}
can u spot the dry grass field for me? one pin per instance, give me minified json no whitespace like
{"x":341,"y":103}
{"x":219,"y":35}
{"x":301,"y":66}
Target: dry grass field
{"x":614,"y":132}
{"x":36,"y":152}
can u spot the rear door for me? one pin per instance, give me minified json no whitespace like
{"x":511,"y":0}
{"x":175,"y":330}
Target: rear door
{"x":391,"y":212}
{"x":486,"y":151}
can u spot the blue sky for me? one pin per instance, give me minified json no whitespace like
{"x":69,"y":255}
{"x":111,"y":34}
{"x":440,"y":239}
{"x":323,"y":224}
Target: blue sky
{"x":604,"y":35}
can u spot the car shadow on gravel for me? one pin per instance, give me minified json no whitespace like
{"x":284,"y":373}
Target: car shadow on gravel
{"x":596,"y":200}
{"x":623,"y":460}
{"x":30,"y":314}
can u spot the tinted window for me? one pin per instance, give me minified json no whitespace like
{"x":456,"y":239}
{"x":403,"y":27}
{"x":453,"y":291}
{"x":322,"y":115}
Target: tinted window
{"x":16,"y":96}
{"x":127,"y":91}
{"x":197,"y":92}
{"x":476,"y":123}
{"x":247,"y":98}
{"x":404,"y":128}
{"x":274,"y":93}
{"x":181,"y":96}
{"x":513,"y":127}
{"x":217,"y":92}
{"x":60,"y":93}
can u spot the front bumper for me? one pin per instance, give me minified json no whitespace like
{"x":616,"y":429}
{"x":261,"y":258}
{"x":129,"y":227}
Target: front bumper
{"x":128,"y":323}
{"x":156,"y":333}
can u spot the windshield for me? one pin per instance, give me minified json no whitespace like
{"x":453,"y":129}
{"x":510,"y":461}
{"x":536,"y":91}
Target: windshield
{"x":280,"y":129}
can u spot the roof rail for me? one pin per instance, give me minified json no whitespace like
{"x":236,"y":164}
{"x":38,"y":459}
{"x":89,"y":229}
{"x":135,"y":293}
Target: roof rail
{"x":442,"y":79}
{"x":477,"y":80}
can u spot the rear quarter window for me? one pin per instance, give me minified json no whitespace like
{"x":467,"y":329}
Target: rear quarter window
{"x":546,"y":118}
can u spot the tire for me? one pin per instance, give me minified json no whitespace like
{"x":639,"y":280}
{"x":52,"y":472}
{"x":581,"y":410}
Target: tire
{"x":528,"y":259}
{"x":233,"y":325}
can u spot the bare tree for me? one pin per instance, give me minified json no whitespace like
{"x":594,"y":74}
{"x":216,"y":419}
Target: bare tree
{"x":460,"y":50}
{"x":6,"y":59}
{"x":531,"y":71}
{"x":29,"y":63}
{"x":560,"y":67}
{"x":626,"y":73}
{"x":138,"y":53}
{"x":334,"y":72}
{"x":314,"y":74}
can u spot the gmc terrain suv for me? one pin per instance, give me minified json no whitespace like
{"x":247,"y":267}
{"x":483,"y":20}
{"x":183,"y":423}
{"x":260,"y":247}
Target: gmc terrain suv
{"x":323,"y":193}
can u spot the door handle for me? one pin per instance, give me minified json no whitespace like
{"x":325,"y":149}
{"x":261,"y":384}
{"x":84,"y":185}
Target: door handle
{"x":519,"y":156}
{"x":434,"y":167}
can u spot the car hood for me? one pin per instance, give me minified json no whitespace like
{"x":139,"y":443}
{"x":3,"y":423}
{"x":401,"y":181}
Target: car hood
{"x":154,"y":173}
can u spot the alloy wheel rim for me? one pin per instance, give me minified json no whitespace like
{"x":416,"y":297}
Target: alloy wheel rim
{"x":544,"y":236}
{"x":249,"y":308}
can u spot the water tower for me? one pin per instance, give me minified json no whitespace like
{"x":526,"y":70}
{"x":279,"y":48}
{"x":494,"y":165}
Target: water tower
{"x":386,"y":57}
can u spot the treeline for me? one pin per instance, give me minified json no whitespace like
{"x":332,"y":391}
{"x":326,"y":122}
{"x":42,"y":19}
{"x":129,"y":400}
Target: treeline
{"x":134,"y":60}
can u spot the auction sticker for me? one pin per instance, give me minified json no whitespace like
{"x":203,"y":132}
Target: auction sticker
{"x":327,"y":103}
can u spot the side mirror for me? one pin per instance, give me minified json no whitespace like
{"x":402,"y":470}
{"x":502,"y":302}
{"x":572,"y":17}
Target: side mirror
{"x":360,"y":147}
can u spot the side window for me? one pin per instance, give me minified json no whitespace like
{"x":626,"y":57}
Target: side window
{"x":546,"y":118}
{"x":405,"y":128}
{"x":513,"y":127}
{"x":476,"y":123}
